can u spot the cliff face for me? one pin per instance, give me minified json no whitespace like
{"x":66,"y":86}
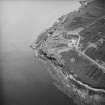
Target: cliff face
{"x":75,"y":48}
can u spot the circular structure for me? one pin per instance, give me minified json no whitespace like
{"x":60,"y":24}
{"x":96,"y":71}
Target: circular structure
{"x":75,"y":48}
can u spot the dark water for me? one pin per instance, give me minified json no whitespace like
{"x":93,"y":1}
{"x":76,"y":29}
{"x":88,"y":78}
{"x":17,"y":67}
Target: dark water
{"x":24,"y":80}
{"x":28,"y":83}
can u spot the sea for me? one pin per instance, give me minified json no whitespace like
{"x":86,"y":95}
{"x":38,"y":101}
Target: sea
{"x":24,"y":80}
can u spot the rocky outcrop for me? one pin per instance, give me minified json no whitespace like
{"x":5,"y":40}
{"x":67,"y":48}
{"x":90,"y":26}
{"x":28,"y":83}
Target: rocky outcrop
{"x":75,"y":48}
